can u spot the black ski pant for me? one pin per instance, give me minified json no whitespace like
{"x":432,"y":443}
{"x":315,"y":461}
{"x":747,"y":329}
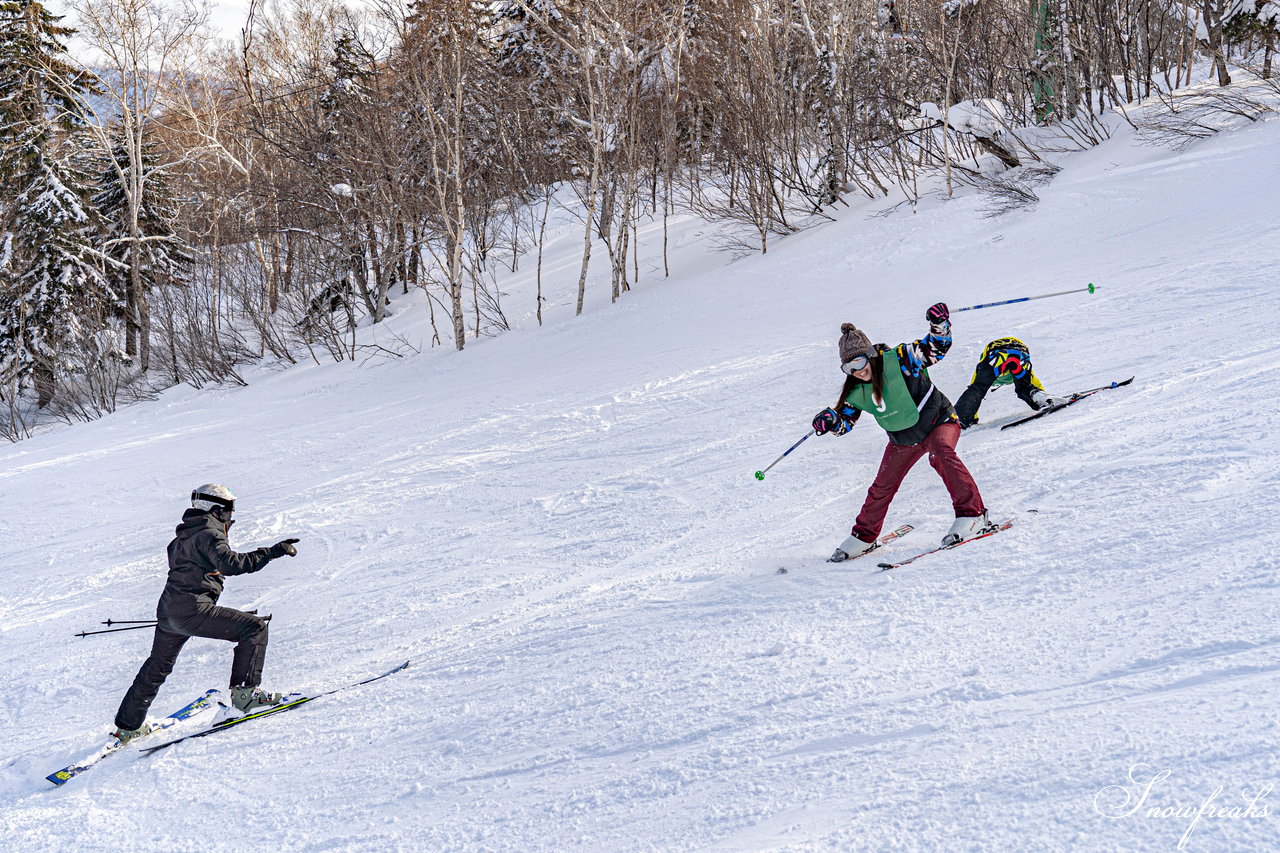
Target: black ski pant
{"x":246,"y":630}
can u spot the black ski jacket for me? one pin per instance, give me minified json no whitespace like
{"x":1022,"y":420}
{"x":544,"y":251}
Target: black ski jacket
{"x":199,"y":557}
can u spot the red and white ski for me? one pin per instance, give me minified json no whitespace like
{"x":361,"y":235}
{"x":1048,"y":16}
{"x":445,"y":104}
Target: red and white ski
{"x":885,"y":539}
{"x":992,"y":530}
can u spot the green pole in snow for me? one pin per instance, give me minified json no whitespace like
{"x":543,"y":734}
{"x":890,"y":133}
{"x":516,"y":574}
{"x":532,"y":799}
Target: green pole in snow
{"x":760,"y":474}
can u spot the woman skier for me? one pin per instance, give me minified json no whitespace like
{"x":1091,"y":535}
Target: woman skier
{"x":1004,"y":360}
{"x":199,"y":557}
{"x":893,"y":386}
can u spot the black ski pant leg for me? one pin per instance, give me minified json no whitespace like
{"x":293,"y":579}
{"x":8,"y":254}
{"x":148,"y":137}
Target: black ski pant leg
{"x":246,"y":630}
{"x":984,"y":376}
{"x":146,"y":684}
{"x":1025,"y":387}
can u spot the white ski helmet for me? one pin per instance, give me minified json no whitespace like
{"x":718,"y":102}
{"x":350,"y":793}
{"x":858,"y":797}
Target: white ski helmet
{"x":213,"y":496}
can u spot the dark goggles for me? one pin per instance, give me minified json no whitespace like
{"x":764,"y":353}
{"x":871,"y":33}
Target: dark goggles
{"x":858,"y":362}
{"x":228,"y":505}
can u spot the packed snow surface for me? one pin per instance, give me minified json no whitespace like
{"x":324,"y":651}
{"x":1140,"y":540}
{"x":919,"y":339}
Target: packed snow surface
{"x":560,"y":528}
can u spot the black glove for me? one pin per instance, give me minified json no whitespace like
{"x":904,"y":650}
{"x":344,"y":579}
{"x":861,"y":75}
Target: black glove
{"x":938,"y":313}
{"x":283,"y":548}
{"x":825,"y":421}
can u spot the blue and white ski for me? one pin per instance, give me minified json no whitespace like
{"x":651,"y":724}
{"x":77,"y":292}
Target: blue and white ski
{"x":208,"y":700}
{"x":288,"y":704}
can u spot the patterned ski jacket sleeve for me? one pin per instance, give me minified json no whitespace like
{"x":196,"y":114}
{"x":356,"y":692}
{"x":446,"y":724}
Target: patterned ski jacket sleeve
{"x":929,"y":350}
{"x":848,"y":417}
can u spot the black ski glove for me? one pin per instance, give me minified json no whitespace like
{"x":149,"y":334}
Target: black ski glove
{"x":283,"y":548}
{"x":825,"y":421}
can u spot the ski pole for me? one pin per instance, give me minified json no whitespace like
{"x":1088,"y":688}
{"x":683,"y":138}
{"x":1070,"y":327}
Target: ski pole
{"x":1091,"y":288}
{"x":114,"y":630}
{"x":760,"y":474}
{"x":138,"y":627}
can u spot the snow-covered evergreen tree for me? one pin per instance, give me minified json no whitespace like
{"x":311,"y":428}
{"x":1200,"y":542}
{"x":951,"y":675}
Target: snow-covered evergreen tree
{"x":525,"y":45}
{"x":53,"y":280}
{"x":531,"y":45}
{"x":1246,"y":20}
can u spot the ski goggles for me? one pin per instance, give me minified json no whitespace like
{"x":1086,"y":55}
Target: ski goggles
{"x":226,"y":505}
{"x":858,"y":362}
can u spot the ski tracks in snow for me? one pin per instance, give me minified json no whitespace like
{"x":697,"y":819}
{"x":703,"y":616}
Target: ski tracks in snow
{"x":565,"y":536}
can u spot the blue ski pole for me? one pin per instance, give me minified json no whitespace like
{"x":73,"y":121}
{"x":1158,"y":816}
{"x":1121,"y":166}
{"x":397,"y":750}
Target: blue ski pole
{"x":1091,"y":288}
{"x":760,"y":474}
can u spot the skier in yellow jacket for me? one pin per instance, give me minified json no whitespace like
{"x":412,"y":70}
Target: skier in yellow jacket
{"x":1004,"y":360}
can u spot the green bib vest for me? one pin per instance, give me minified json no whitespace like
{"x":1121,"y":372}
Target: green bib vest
{"x":898,"y":411}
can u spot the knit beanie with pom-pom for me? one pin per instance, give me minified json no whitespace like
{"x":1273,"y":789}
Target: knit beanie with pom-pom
{"x":853,"y":343}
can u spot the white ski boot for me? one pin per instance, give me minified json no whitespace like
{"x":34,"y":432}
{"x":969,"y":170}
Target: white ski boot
{"x":1045,"y":400}
{"x":965,"y":528}
{"x":850,"y":548}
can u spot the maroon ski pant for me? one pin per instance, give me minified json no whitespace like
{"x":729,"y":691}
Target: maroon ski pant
{"x":898,"y":459}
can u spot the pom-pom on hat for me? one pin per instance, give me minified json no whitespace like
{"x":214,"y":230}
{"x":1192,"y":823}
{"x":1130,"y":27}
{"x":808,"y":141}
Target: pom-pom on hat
{"x":853,"y":343}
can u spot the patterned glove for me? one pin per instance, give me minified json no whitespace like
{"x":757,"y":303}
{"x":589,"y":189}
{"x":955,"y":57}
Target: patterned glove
{"x":937,"y":313}
{"x":825,"y":421}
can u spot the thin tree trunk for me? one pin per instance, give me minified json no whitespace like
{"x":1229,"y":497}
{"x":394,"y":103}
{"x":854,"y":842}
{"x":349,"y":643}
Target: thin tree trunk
{"x":1214,"y":28}
{"x":592,"y":187}
{"x":542,"y":236}
{"x":45,"y":383}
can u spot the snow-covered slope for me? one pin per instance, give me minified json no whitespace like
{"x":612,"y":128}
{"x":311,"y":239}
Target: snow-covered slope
{"x":561,"y":528}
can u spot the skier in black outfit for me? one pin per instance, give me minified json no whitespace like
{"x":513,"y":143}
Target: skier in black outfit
{"x":199,"y":558}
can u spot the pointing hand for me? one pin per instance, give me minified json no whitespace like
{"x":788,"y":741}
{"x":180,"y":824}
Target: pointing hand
{"x":283,"y":548}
